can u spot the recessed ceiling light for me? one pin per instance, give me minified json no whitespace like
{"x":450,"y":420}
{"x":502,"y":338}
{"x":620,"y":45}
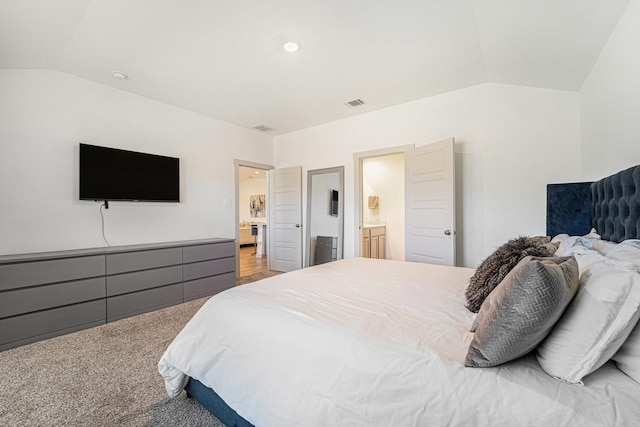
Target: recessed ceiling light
{"x":119,"y":75}
{"x":291,"y":46}
{"x":257,"y":172}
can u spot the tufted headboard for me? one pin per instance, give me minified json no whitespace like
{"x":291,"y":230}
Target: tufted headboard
{"x":610,"y":205}
{"x":615,"y":205}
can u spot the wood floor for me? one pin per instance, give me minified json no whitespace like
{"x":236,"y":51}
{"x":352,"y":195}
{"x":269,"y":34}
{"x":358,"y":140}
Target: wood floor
{"x":250,"y":264}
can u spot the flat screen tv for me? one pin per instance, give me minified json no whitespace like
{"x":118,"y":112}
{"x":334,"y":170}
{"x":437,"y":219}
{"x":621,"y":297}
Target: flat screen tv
{"x":112,"y":174}
{"x":334,"y":202}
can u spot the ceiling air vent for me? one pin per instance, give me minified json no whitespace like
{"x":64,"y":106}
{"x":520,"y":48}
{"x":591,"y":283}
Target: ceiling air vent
{"x":262,"y":127}
{"x":355,"y":103}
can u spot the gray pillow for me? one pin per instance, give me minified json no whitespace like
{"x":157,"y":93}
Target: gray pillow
{"x":522,"y":309}
{"x":497,"y":265}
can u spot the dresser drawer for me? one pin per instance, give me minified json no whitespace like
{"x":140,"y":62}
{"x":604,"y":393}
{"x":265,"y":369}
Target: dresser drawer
{"x":140,"y":280}
{"x":22,"y":301}
{"x":28,"y":328}
{"x":198,"y":270}
{"x":207,"y":252}
{"x":208,"y":286}
{"x":32,"y":273}
{"x":126,"y":305}
{"x":143,"y":260}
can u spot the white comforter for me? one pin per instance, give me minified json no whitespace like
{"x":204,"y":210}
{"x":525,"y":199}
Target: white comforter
{"x":363,"y":342}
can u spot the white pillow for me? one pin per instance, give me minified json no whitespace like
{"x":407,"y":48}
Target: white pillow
{"x":596,"y":323}
{"x":560,"y":238}
{"x":592,"y":235}
{"x":603,"y":246}
{"x":629,"y":250}
{"x":628,"y":357}
{"x":582,"y":249}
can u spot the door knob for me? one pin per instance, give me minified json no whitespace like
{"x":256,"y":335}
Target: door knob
{"x":447,"y":232}
{"x":297,"y":225}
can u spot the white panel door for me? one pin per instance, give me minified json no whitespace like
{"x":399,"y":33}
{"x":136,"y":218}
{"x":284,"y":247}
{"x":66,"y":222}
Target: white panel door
{"x":430,"y":204}
{"x":285,"y":219}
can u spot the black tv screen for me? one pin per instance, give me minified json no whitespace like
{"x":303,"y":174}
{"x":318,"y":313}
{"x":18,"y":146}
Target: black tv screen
{"x":334,"y":202}
{"x":113,"y":174}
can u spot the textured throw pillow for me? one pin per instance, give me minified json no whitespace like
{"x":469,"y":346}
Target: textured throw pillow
{"x":497,"y":265}
{"x":522,"y":310}
{"x":628,"y":357}
{"x":596,"y":324}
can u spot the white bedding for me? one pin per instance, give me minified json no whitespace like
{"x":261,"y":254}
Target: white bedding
{"x":363,"y":342}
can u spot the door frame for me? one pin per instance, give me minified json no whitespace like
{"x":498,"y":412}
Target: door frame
{"x":236,"y":168}
{"x":357,"y":166}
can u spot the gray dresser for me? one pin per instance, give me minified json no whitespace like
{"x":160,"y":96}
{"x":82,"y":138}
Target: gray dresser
{"x":49,"y":294}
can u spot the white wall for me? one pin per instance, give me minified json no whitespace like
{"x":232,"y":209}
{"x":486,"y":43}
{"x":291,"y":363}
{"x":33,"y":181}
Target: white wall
{"x":384,"y":177}
{"x":510,"y":142}
{"x":248,"y":188}
{"x":610,"y":102}
{"x":45,"y":114}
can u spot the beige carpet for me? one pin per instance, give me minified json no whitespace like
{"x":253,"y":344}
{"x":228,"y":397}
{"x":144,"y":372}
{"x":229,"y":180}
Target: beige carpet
{"x":104,"y":376}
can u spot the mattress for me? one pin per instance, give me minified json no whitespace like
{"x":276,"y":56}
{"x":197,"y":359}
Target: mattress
{"x":373,"y":342}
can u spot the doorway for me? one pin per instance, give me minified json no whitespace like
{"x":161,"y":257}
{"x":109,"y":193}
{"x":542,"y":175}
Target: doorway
{"x":383,"y":206}
{"x":380,"y":205}
{"x":427,"y":212}
{"x":251,"y":218}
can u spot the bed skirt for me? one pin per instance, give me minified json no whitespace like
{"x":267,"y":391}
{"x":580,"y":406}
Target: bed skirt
{"x":214,"y":404}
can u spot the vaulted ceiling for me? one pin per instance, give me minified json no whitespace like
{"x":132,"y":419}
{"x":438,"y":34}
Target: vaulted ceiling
{"x":224,"y":58}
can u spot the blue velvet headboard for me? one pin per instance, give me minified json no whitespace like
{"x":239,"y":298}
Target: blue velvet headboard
{"x":610,"y":205}
{"x":569,"y":208}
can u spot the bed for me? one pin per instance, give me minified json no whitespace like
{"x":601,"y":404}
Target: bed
{"x":378,"y":342}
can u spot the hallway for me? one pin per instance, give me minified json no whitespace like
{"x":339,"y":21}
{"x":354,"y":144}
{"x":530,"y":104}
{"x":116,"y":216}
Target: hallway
{"x":250,"y":264}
